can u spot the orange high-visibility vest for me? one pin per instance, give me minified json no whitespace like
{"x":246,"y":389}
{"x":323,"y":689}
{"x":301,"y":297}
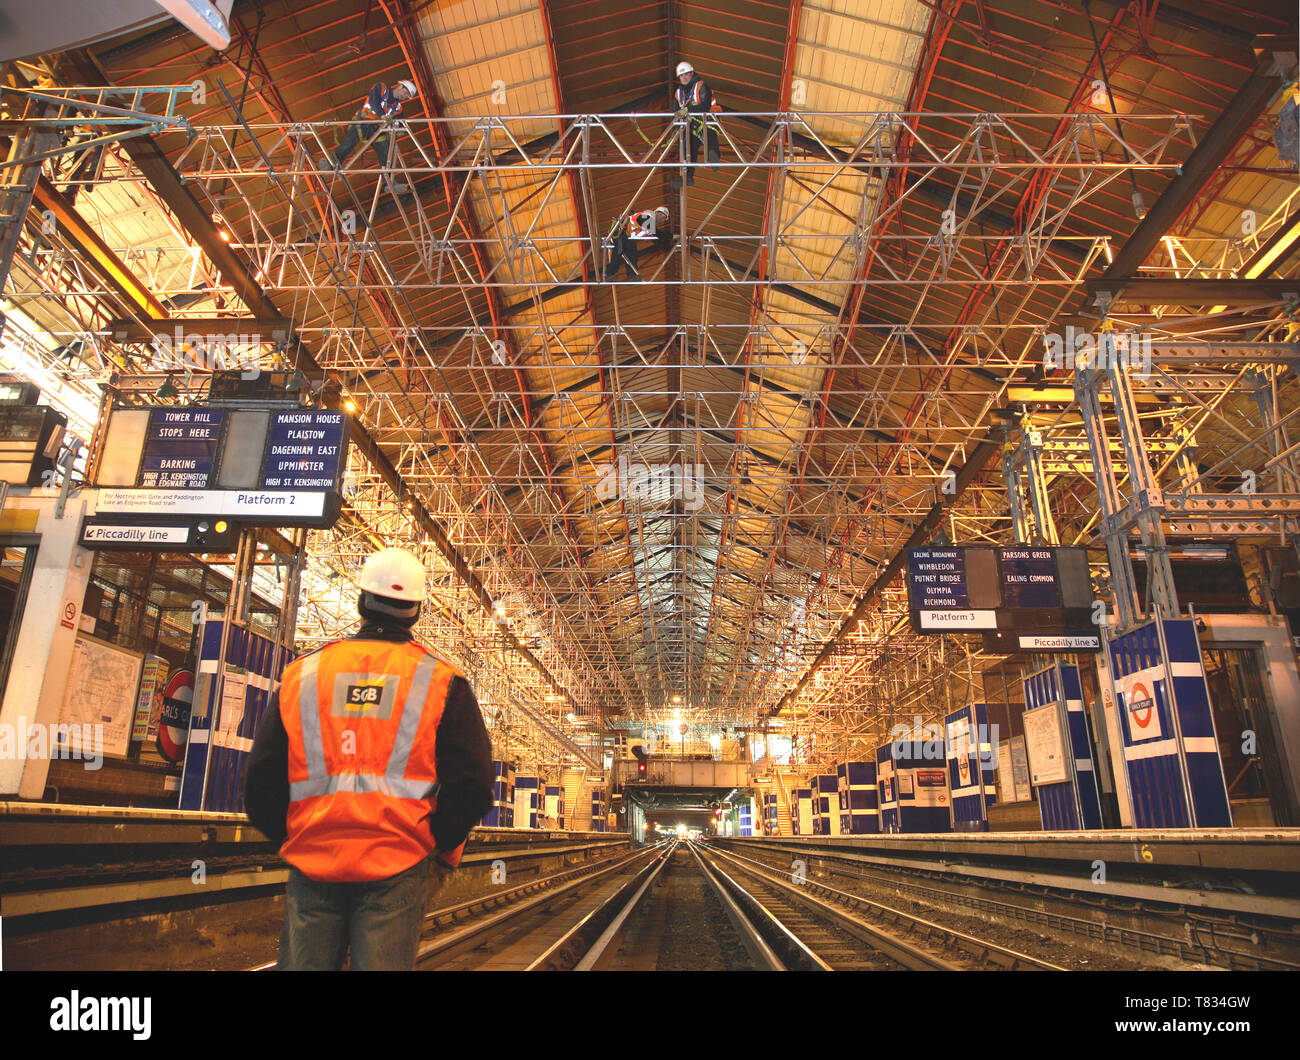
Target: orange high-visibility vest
{"x":362,"y":718}
{"x":636,"y":229}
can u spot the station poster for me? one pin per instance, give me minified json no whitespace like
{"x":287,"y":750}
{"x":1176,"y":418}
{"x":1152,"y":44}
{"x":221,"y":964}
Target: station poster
{"x":1046,"y":749}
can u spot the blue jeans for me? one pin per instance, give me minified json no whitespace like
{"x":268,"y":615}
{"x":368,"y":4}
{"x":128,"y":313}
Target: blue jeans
{"x":380,"y":921}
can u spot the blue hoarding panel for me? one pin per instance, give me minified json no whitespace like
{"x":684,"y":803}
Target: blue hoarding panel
{"x":1167,"y":728}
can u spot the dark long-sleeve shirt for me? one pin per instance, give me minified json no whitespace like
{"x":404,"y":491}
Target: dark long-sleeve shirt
{"x":380,"y":102}
{"x":695,"y":95}
{"x":464,"y":763}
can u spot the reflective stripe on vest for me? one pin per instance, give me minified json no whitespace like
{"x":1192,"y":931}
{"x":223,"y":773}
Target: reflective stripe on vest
{"x":360,"y":784}
{"x":393,"y":781}
{"x":635,"y":229}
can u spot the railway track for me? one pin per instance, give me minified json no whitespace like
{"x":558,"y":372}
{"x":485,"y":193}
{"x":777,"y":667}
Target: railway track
{"x":1192,"y":935}
{"x":544,"y":925}
{"x":846,"y":932}
{"x":684,"y":905}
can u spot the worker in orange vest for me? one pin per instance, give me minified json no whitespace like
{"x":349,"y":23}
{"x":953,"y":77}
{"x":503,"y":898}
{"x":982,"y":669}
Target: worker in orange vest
{"x":638,"y":227}
{"x":381,"y":106}
{"x":695,"y":102}
{"x":370,"y":767}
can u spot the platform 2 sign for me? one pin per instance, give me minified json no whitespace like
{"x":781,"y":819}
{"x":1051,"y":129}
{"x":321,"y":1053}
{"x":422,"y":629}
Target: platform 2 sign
{"x":271,"y":466}
{"x":180,"y":448}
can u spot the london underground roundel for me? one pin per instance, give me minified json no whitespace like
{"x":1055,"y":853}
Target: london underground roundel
{"x":174,"y":721}
{"x":1144,"y":723}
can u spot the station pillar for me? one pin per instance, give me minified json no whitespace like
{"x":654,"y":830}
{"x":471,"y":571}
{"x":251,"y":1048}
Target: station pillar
{"x":38,"y":675}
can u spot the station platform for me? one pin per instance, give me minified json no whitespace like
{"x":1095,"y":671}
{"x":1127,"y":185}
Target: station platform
{"x":1266,"y":849}
{"x":101,"y":887}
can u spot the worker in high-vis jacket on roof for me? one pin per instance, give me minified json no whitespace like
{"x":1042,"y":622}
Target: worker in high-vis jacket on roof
{"x":639,"y":228}
{"x":382,"y":105}
{"x":695,"y":102}
{"x":370,"y":767}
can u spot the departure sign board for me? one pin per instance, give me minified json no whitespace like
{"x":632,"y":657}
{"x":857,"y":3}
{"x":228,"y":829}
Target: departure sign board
{"x":30,"y":438}
{"x":180,"y":448}
{"x":1022,"y":598}
{"x":242,"y":463}
{"x":945,"y":593}
{"x":937,"y":578}
{"x":1029,"y":577}
{"x":304,"y":450}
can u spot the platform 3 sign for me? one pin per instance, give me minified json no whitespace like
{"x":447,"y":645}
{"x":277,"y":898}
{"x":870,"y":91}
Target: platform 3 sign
{"x":1022,"y":598}
{"x":939,"y":591}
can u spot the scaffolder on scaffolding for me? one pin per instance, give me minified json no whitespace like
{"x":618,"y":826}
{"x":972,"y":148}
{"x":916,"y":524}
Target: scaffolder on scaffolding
{"x":383,"y":104}
{"x":695,"y":102}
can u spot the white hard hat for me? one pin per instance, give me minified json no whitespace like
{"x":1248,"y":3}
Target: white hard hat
{"x":394,"y":573}
{"x":685,"y":68}
{"x":409,"y":86}
{"x":662,"y":209}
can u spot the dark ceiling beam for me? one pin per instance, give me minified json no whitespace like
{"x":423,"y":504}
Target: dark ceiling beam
{"x":1182,"y":18}
{"x":258,"y":329}
{"x":1242,"y":111}
{"x":1193,"y":291}
{"x":95,"y":252}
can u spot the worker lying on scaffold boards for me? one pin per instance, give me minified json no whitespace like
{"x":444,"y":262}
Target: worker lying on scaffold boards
{"x":634,"y":229}
{"x":370,"y":767}
{"x":383,"y":104}
{"x":695,"y":101}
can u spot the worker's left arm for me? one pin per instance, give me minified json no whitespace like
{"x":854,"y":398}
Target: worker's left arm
{"x":706,"y":99}
{"x":464,"y":762}
{"x":266,"y":778}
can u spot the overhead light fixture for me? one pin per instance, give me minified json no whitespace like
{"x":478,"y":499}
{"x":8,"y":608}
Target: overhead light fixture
{"x":202,"y":18}
{"x":349,"y":405}
{"x":167,"y":390}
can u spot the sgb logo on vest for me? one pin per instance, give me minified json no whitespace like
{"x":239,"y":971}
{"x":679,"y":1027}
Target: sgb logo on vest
{"x":363,"y":696}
